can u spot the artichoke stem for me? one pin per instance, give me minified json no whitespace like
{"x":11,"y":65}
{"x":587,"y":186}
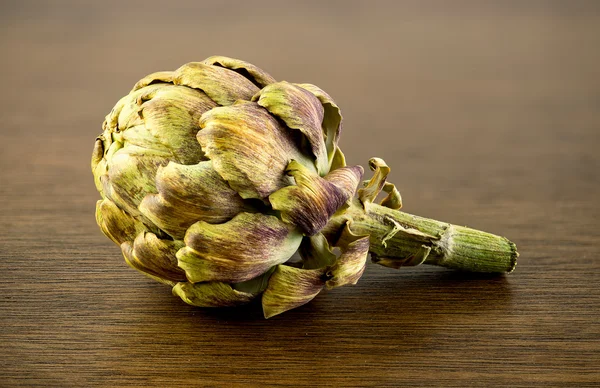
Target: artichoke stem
{"x":400,"y":239}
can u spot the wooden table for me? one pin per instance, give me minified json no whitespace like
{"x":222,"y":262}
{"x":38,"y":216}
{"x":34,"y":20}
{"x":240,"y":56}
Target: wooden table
{"x":487,"y":112}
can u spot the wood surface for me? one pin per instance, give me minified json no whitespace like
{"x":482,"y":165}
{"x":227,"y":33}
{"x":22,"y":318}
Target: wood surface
{"x":487,"y":112}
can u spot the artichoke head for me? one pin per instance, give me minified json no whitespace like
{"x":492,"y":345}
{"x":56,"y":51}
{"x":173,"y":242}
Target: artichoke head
{"x":213,"y":175}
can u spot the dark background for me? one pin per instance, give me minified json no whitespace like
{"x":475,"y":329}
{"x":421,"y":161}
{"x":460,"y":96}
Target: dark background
{"x":488,"y":113}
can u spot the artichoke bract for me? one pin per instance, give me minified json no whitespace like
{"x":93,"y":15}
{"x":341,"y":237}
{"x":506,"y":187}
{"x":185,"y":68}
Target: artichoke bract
{"x":213,"y":175}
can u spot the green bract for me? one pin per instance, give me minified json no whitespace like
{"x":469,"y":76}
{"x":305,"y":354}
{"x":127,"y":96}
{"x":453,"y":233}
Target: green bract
{"x":212,"y":176}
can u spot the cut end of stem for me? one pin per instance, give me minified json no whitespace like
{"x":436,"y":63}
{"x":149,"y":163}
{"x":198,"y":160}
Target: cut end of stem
{"x":513,"y":257}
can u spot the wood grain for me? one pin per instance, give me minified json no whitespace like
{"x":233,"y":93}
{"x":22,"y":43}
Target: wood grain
{"x":487,"y":113}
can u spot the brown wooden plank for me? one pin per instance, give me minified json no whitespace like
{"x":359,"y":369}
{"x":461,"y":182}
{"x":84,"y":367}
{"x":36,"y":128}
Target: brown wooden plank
{"x":487,"y":113}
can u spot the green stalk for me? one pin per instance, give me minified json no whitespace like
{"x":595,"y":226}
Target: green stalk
{"x":400,"y":239}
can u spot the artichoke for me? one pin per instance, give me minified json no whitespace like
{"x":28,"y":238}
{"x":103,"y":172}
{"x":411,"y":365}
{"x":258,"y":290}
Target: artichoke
{"x":213,"y":175}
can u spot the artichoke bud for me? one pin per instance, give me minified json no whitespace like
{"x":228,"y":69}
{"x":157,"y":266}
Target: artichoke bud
{"x":213,"y":175}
